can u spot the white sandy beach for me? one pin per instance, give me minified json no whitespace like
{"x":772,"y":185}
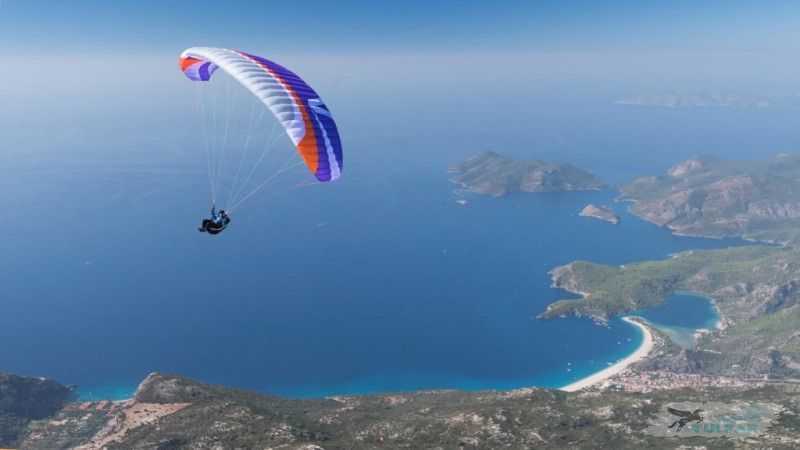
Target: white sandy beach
{"x":640,"y":353}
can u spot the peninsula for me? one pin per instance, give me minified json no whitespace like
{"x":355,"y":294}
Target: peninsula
{"x":756,"y":290}
{"x":490,"y":173}
{"x":707,"y":196}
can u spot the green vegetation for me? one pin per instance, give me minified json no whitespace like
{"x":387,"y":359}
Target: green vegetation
{"x":756,"y":288}
{"x":772,"y":344}
{"x":74,"y":427}
{"x":527,"y":418}
{"x":23,"y":399}
{"x":767,"y":332}
{"x":11,"y":425}
{"x":722,"y":273}
{"x":490,"y":173}
{"x":706,"y":196}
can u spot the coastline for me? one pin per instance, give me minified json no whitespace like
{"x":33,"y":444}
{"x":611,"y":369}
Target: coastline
{"x":123,"y":394}
{"x":619,"y":366}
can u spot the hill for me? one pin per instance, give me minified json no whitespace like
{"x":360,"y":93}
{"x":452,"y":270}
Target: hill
{"x":490,"y":173}
{"x":174,"y":412}
{"x":23,"y":399}
{"x":706,"y":196}
{"x":756,"y":290}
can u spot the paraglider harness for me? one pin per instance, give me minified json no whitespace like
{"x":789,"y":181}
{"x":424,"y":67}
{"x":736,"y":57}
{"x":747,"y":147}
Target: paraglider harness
{"x":217,"y":222}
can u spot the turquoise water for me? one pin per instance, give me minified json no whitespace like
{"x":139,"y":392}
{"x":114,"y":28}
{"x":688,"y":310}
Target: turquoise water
{"x":684,"y":314}
{"x":105,"y":392}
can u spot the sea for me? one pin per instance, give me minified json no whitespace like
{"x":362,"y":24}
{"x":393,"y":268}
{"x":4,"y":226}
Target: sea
{"x":379,"y":282}
{"x":684,"y":315}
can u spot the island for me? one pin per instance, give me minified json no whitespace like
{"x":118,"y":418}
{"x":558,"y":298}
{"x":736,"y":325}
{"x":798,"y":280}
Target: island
{"x":707,"y":196}
{"x":170,"y":412}
{"x":600,"y":212}
{"x":698,"y":99}
{"x":490,"y":173}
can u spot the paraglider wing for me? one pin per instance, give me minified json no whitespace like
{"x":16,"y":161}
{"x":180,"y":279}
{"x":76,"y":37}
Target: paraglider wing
{"x":304,"y":116}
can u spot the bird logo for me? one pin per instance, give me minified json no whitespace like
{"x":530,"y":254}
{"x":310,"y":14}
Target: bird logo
{"x":685,"y":417}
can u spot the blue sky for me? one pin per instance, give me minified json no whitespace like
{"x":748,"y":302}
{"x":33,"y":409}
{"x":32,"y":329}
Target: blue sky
{"x":648,"y":44}
{"x":117,"y":59}
{"x":152,"y":27}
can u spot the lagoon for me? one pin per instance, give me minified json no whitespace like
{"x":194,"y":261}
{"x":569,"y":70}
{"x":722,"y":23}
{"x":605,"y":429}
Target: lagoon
{"x":684,"y":315}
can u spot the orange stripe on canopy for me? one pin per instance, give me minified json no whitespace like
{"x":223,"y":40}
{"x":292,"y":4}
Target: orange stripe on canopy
{"x":186,"y":62}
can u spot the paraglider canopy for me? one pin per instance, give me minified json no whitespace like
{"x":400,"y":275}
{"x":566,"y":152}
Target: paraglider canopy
{"x":301,"y":112}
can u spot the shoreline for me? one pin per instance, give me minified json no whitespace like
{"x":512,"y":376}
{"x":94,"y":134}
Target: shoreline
{"x":640,"y":353}
{"x":619,"y":366}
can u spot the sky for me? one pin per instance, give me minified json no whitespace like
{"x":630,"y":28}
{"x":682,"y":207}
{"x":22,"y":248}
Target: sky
{"x":86,"y":69}
{"x":148,"y":26}
{"x":79,"y":70}
{"x":713,"y":44}
{"x":570,"y":31}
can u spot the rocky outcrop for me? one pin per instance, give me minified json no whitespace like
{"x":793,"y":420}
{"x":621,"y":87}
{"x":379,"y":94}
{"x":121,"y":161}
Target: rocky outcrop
{"x":600,"y":212}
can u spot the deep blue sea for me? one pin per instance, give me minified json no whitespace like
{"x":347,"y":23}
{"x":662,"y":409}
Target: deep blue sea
{"x":378,"y":282}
